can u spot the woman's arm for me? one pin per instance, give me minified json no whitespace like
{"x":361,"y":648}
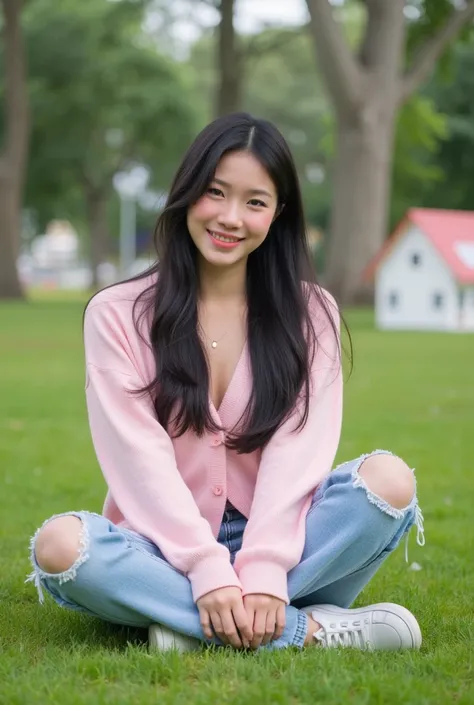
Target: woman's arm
{"x":137,"y":457}
{"x":291,"y":467}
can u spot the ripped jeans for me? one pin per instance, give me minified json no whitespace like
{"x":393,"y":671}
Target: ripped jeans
{"x":122,"y":577}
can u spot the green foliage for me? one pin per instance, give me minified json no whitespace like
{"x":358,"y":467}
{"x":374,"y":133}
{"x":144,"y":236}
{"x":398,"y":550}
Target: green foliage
{"x":456,"y":153}
{"x":433,"y":14}
{"x":101,"y":97}
{"x":203,"y":73}
{"x":420,"y":131}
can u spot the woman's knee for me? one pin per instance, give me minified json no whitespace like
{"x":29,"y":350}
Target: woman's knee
{"x":58,"y":544}
{"x":390,"y":478}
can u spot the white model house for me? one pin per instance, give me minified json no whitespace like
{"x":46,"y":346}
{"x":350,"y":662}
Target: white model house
{"x":424,"y":274}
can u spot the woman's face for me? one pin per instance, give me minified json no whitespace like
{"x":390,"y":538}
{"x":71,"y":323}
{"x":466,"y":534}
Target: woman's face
{"x":234,"y":216}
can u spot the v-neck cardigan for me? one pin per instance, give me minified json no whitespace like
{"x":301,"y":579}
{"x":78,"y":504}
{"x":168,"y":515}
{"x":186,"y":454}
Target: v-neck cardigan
{"x":174,"y":490}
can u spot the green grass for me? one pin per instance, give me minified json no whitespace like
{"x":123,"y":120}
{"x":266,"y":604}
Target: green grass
{"x":412,"y":393}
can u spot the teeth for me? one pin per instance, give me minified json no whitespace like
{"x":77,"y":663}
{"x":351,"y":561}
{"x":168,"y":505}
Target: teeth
{"x":224,"y":239}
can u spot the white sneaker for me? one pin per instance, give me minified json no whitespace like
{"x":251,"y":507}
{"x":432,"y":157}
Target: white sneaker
{"x":382,"y":626}
{"x":161,"y":638}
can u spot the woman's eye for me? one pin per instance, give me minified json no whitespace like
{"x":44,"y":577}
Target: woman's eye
{"x":214,"y":191}
{"x":257,"y":202}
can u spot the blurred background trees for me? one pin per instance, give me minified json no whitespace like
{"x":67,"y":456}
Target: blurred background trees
{"x":102,"y":98}
{"x":14,"y":145}
{"x":376,"y":100}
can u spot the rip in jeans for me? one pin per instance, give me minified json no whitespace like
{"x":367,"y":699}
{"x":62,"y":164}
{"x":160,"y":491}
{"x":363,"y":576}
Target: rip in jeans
{"x":387,"y":508}
{"x":38,"y":574}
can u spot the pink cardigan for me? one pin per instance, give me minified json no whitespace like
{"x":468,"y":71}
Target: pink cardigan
{"x":174,"y":491}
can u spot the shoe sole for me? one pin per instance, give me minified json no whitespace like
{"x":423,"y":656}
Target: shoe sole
{"x":399,"y":610}
{"x":161,"y":638}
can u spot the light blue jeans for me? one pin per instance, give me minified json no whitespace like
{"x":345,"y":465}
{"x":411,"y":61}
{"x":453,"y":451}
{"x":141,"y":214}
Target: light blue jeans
{"x":122,"y":577}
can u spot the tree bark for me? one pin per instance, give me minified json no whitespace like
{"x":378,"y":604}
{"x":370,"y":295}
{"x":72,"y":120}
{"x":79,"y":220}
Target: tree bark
{"x":10,"y":225}
{"x":361,"y":187}
{"x":366,"y":93}
{"x":14,"y":154}
{"x":96,"y":203}
{"x":363,"y":165}
{"x":229,"y":62}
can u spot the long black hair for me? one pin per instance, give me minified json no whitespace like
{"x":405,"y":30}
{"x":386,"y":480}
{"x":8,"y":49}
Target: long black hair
{"x":281,"y":337}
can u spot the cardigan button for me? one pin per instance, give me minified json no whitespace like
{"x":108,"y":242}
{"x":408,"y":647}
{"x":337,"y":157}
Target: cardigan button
{"x":217,"y":490}
{"x":218,"y":440}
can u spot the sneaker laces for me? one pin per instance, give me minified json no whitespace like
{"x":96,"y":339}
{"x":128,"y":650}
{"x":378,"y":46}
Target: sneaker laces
{"x":341,"y":635}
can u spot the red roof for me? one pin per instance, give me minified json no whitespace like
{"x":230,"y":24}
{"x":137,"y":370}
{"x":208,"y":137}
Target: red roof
{"x":451,"y":233}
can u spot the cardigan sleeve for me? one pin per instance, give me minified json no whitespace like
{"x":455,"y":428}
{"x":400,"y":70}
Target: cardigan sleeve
{"x":137,"y":458}
{"x":291,"y":467}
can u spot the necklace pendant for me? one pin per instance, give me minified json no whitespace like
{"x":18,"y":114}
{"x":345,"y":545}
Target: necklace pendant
{"x":214,"y":344}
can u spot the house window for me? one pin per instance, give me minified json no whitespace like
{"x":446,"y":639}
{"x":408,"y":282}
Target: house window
{"x":438,"y":300}
{"x":393,"y":299}
{"x":416,"y":259}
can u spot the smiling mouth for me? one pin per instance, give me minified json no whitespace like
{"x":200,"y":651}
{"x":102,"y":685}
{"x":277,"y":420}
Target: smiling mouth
{"x":224,"y":238}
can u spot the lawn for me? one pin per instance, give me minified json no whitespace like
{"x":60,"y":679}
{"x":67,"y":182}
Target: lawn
{"x":412,"y":393}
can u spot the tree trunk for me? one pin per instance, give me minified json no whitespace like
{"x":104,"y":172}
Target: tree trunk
{"x":360,"y":198}
{"x":13,"y":157}
{"x":363,"y":166}
{"x":229,"y":63}
{"x":366,"y":92}
{"x":96,"y":203}
{"x":10,"y":224}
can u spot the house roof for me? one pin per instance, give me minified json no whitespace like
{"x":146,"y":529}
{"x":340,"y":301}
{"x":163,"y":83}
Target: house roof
{"x":451,"y":233}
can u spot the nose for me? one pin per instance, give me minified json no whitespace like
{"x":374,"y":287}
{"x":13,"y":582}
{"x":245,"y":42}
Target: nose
{"x":229,"y":216}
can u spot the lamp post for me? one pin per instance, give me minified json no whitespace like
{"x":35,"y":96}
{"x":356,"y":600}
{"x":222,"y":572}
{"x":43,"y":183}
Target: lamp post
{"x":129,"y":185}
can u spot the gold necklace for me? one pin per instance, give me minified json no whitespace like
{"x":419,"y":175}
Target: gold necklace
{"x":213,"y":342}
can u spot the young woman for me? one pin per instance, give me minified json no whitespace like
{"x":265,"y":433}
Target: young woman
{"x":214,"y":392}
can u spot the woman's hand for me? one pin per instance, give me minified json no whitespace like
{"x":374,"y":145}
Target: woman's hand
{"x":266,"y":616}
{"x":223,"y":610}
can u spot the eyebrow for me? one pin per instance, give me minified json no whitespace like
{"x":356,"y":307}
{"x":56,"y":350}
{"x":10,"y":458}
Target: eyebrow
{"x":254,"y":191}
